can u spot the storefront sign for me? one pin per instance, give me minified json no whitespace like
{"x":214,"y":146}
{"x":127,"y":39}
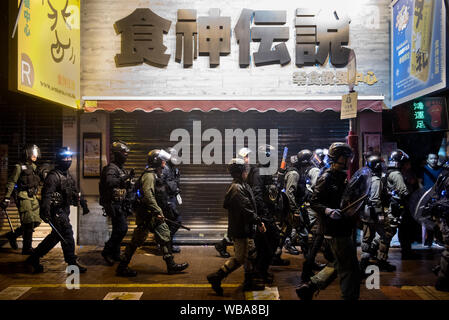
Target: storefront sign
{"x":302,"y":78}
{"x":48,"y":48}
{"x":426,"y":114}
{"x":418,"y":48}
{"x":349,"y":106}
{"x":319,"y":34}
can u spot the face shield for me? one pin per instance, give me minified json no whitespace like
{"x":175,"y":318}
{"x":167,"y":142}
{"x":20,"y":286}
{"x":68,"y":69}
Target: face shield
{"x":174,"y":159}
{"x":33,"y":152}
{"x":164,"y":155}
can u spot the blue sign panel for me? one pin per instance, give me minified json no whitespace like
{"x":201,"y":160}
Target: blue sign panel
{"x":418,"y":63}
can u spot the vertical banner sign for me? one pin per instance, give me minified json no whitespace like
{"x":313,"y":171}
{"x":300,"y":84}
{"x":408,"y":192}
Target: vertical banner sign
{"x":349,"y":106}
{"x":418,"y":35}
{"x":48,"y":62}
{"x":422,"y":115}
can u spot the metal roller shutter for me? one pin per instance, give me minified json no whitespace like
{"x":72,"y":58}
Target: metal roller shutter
{"x":41,"y":125}
{"x":203,"y":186}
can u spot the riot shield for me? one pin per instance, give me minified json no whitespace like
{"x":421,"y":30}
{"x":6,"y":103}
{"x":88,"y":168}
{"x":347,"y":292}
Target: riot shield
{"x":419,"y":211}
{"x":357,"y":190}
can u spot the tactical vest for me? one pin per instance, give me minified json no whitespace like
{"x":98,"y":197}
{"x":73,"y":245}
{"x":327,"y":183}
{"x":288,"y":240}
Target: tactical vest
{"x":66,"y":194}
{"x":302,"y":193}
{"x":28,"y":180}
{"x":106,"y":195}
{"x":160,"y":192}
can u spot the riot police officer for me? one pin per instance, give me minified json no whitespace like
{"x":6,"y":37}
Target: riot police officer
{"x":171,"y":178}
{"x":267,"y":242}
{"x":58,"y":193}
{"x":397,"y":192}
{"x":26,"y":177}
{"x":341,"y":251}
{"x":242,"y":218}
{"x":221,"y":246}
{"x":150,"y":217}
{"x":299,"y":179}
{"x":436,"y":209}
{"x":113,"y":188}
{"x":375,"y":221}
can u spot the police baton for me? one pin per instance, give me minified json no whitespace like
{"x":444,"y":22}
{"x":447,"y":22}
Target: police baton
{"x":176,"y":224}
{"x":9,"y":220}
{"x":57,"y":232}
{"x":356,"y":202}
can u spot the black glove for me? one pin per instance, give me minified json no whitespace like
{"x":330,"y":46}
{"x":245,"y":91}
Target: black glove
{"x":5,"y":203}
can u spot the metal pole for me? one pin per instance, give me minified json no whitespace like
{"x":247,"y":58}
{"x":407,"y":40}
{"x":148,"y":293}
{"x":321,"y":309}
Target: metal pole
{"x":17,"y":20}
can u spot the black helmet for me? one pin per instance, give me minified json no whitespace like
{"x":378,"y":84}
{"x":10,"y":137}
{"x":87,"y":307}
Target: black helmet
{"x":236,"y":167}
{"x":338,"y":149}
{"x":64,"y":158}
{"x":304,"y":157}
{"x":156,"y":156}
{"x":30,"y":150}
{"x":396,"y":158}
{"x":374,"y":162}
{"x":120,"y":150}
{"x":319,"y":157}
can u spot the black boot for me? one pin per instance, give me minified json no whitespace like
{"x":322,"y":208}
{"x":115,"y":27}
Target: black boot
{"x":442,"y":284}
{"x":107,"y":257}
{"x":27,"y":239}
{"x":250,"y":283}
{"x":173,"y":267}
{"x":124,"y":271}
{"x":307,"y":271}
{"x":215,"y":280}
{"x":290,"y":247}
{"x":12,"y":240}
{"x":33,"y":261}
{"x":364,"y":262}
{"x":80,"y":267}
{"x":221,"y":248}
{"x":384,"y":265}
{"x":306,"y":290}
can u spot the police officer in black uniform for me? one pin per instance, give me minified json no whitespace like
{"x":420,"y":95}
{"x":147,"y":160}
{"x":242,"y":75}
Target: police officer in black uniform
{"x":113,"y":188}
{"x":266,"y":243}
{"x":58,"y":193}
{"x":171,"y":178}
{"x":338,"y":229}
{"x":26,"y":178}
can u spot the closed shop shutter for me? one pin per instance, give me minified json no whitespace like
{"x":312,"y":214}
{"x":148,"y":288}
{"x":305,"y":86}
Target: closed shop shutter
{"x":19,"y":125}
{"x":203,"y":186}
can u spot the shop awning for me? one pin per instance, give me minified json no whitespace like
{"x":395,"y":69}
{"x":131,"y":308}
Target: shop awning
{"x":318,"y":104}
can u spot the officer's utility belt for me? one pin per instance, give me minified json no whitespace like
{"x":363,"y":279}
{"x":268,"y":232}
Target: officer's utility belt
{"x":118,"y":195}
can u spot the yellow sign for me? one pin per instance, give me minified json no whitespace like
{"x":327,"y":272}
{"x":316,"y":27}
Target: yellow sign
{"x":349,"y":106}
{"x":48,"y":62}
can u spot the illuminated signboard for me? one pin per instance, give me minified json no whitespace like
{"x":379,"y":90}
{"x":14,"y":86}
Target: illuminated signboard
{"x":418,"y":44}
{"x":48,"y":50}
{"x":426,"y":114}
